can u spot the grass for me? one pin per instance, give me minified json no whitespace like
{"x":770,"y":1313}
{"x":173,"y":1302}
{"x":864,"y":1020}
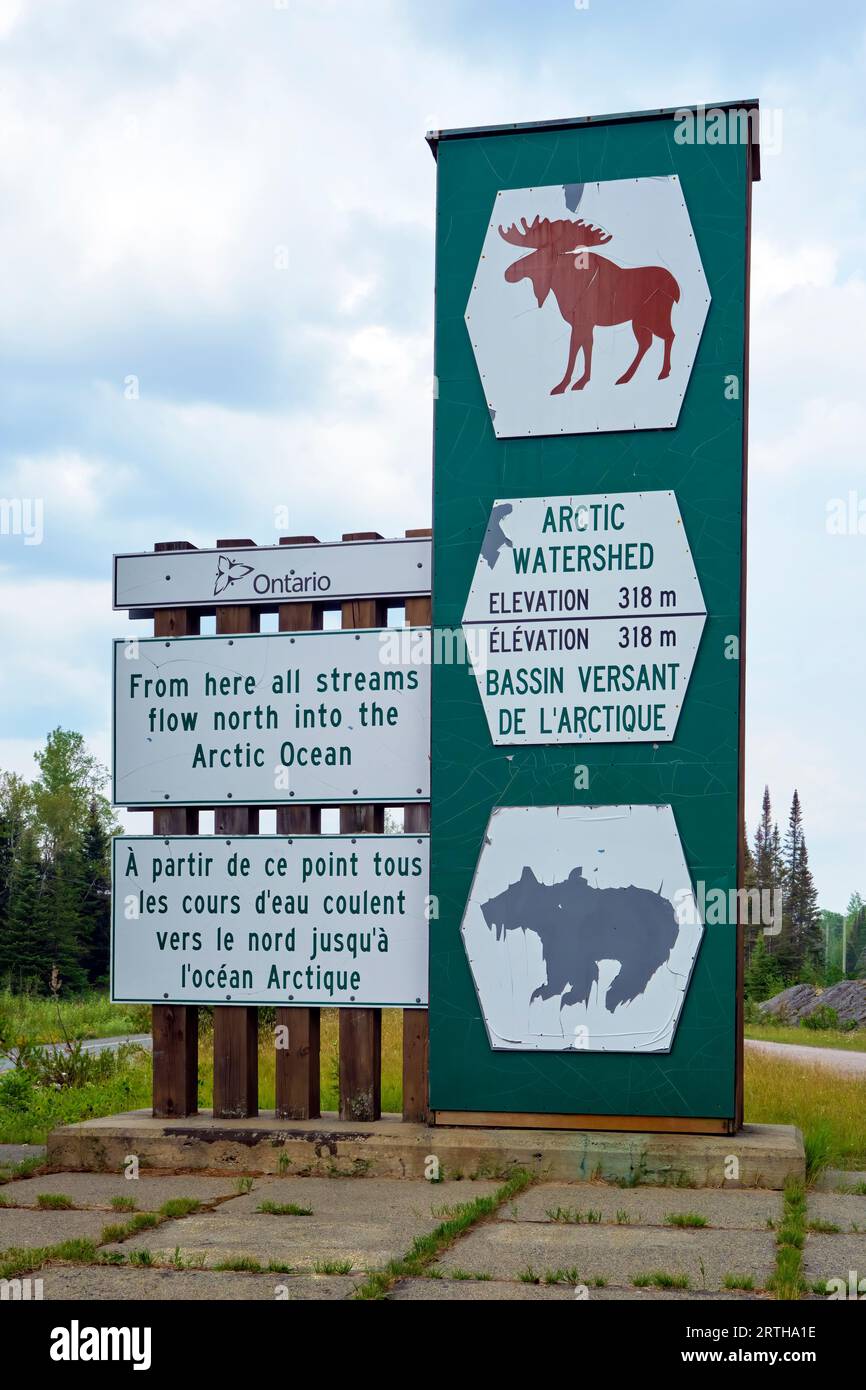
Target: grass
{"x":660,"y":1279}
{"x":685,"y":1219}
{"x":572,"y":1216}
{"x":23,"y":1259}
{"x":807,"y":1037}
{"x":560,"y":1276}
{"x":37,"y":1018}
{"x":745,"y":1282}
{"x":54,"y":1201}
{"x":46,"y":1108}
{"x":426,"y":1249}
{"x":787,"y":1282}
{"x":25,"y":1169}
{"x":240,"y":1264}
{"x":333,"y":1266}
{"x":829,"y":1108}
{"x":283,"y":1209}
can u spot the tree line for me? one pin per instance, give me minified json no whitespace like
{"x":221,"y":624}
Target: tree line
{"x":55,"y":885}
{"x":811,"y":945}
{"x":55,"y":870}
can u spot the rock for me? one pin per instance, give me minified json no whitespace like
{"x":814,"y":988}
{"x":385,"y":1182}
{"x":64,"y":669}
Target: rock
{"x":848,"y":998}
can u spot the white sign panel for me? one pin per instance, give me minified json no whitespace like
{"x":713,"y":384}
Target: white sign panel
{"x":582,"y":928}
{"x":331,"y":920}
{"x":587,"y":307}
{"x":264,"y":720}
{"x":584,"y":619}
{"x":270,"y":575}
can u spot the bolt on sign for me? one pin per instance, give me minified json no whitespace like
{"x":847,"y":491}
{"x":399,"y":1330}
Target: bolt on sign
{"x":592,"y":362}
{"x":266,"y":719}
{"x":584,"y":618}
{"x":332,"y":920}
{"x":266,"y":576}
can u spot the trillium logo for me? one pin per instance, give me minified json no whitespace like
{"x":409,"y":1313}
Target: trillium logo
{"x":229,"y":572}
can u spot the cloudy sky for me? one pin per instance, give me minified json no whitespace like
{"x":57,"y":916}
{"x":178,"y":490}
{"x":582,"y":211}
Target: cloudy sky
{"x":164,"y":377}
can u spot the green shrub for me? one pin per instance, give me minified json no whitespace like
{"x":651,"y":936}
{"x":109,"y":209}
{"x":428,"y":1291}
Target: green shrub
{"x":822,"y":1019}
{"x":16,"y":1091}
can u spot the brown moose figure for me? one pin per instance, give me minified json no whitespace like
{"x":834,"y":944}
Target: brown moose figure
{"x":593,"y":292}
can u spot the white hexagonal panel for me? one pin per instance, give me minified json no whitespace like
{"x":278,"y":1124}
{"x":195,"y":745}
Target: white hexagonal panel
{"x":582,"y":928}
{"x":587,"y":307}
{"x":584,"y":618}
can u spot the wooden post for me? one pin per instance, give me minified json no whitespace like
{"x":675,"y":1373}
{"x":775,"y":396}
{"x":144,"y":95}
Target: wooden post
{"x":298,"y":1064}
{"x":416,"y":819}
{"x":361,"y":1029}
{"x":175,"y":1026}
{"x":236,"y":1028}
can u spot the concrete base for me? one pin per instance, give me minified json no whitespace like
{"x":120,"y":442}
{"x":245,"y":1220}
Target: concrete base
{"x":760,"y":1155}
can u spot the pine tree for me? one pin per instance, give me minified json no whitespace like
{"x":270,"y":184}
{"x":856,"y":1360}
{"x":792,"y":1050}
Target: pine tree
{"x":769,"y":869}
{"x":801,"y":935}
{"x":15,"y":814}
{"x":95,"y":898}
{"x":751,"y":928}
{"x":855,"y":937}
{"x":58,"y":924}
{"x":26,"y":962}
{"x":762,"y":978}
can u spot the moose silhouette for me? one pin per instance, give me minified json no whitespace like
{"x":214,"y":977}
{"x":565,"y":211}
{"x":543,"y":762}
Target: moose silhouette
{"x":593,"y":292}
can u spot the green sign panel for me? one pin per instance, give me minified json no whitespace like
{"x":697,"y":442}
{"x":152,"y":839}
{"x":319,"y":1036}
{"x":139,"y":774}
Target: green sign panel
{"x":589,"y":485}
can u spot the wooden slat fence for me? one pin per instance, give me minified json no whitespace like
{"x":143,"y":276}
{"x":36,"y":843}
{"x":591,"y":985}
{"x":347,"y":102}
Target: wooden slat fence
{"x":297,"y":1033}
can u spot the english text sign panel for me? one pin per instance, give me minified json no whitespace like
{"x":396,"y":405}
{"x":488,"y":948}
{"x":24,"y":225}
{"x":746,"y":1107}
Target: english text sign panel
{"x":272,"y":719}
{"x":262,"y":919}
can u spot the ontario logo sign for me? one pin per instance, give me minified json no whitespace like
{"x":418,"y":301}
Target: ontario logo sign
{"x":569,"y":340}
{"x":231,"y":572}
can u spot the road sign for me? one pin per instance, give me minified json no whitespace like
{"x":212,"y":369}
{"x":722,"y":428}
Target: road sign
{"x":332,"y":716}
{"x":587,"y":306}
{"x":333,"y":920}
{"x":584,"y":618}
{"x":581,"y":928}
{"x":591,"y":352}
{"x":271,"y":575}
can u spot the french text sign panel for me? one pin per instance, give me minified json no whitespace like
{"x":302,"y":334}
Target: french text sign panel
{"x":301,"y":920}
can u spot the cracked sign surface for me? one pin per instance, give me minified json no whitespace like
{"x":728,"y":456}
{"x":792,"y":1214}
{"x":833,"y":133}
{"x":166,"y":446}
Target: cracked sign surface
{"x":587,"y":307}
{"x":584,"y":619}
{"x":581,"y":928}
{"x":508,"y":1054}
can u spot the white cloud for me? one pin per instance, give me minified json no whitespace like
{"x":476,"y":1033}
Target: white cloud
{"x":157,"y":155}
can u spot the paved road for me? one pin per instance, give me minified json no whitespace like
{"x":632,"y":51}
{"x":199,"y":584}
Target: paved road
{"x":95,"y":1045}
{"x":851,"y":1063}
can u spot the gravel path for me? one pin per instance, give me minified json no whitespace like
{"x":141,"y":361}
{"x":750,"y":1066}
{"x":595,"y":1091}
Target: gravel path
{"x":851,"y":1063}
